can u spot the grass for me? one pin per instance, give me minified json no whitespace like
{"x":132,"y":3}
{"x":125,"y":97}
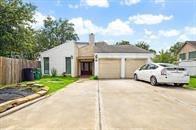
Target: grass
{"x":56,"y":83}
{"x":192,"y":83}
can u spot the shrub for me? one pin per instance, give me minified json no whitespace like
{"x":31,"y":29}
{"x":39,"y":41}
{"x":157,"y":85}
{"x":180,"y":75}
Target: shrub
{"x":94,"y":78}
{"x":54,"y":72}
{"x":64,"y":74}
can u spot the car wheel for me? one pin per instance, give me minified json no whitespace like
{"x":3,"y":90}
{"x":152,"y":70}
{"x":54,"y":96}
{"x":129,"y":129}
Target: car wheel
{"x":153,"y":81}
{"x":135,"y":77}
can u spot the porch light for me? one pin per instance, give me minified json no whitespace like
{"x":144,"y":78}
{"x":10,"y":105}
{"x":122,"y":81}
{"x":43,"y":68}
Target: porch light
{"x":95,"y":57}
{"x":71,"y":57}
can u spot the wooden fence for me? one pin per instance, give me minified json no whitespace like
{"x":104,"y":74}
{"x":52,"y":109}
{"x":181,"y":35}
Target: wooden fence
{"x":11,"y":69}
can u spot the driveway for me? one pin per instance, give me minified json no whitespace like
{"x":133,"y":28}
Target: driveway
{"x":109,"y":104}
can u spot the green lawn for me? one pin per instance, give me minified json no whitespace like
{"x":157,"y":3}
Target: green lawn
{"x":192,"y":83}
{"x":56,"y":83}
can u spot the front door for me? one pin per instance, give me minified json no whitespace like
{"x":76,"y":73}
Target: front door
{"x":86,"y":68}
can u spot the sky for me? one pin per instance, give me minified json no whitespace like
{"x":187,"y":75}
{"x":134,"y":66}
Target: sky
{"x":160,"y":23}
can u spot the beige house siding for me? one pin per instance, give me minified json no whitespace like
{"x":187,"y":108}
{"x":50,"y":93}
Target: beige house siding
{"x":186,"y":49}
{"x":131,"y":65}
{"x":86,"y":51}
{"x":109,"y":68}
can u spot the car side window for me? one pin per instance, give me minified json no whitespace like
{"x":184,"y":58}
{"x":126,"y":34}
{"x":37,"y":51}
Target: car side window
{"x":152,"y":67}
{"x":144,"y":67}
{"x":141,"y":68}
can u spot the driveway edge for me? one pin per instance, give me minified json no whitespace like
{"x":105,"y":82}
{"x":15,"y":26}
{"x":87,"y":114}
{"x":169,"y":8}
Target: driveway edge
{"x":17,"y":108}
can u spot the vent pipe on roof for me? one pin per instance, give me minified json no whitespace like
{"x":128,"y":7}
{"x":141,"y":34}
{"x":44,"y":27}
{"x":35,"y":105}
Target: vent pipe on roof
{"x":91,"y":38}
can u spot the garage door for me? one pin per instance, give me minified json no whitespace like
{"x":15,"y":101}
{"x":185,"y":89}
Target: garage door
{"x":131,"y":65}
{"x":109,"y":68}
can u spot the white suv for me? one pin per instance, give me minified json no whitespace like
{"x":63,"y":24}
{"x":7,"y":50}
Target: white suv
{"x":157,"y":73}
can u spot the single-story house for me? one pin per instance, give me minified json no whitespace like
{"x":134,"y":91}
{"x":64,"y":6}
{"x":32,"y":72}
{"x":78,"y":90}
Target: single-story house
{"x":94,"y":58}
{"x":187,"y":56}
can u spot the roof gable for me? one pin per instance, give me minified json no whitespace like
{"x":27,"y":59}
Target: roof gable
{"x":192,"y":43}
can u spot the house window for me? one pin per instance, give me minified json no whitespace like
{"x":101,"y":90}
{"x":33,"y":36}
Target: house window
{"x":68,"y":65}
{"x":182,"y":56}
{"x":46,"y":65}
{"x":192,"y":55}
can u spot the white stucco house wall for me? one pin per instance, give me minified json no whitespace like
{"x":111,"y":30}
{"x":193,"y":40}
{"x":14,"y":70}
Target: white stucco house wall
{"x":94,"y":58}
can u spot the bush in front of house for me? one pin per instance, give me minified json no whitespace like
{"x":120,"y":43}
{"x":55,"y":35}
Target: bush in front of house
{"x":64,"y":74}
{"x":94,"y":77}
{"x":53,"y":72}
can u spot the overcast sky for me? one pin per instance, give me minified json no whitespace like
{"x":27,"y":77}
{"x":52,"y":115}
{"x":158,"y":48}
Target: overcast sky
{"x":161,"y":23}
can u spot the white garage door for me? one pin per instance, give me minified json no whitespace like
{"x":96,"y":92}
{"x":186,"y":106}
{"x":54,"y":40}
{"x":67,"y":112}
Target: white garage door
{"x":109,"y":68}
{"x":131,"y":65}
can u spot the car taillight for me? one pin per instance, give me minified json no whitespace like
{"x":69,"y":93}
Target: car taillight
{"x":163,"y":72}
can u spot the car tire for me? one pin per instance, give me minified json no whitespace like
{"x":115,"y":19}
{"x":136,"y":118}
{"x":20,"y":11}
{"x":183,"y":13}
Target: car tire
{"x":135,"y":77}
{"x":153,"y":81}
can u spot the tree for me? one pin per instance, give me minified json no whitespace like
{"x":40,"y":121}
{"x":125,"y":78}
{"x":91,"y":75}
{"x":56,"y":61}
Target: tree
{"x":153,"y":51}
{"x":175,"y":48}
{"x":54,"y":33}
{"x":16,"y":33}
{"x":123,"y":43}
{"x":143,"y":45}
{"x":164,"y":57}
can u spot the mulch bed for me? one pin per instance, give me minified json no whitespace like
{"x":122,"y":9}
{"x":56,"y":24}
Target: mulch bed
{"x":9,"y":93}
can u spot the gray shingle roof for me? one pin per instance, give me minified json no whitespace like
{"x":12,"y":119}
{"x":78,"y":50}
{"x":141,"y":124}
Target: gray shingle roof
{"x":81,"y":42}
{"x":103,"y":47}
{"x":193,"y":43}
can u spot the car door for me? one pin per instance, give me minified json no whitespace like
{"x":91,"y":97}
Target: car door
{"x":141,"y":72}
{"x":150,"y":71}
{"x":145,"y":72}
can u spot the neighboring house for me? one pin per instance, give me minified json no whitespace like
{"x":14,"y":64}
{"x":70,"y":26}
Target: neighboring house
{"x":94,"y":58}
{"x":187,"y":56}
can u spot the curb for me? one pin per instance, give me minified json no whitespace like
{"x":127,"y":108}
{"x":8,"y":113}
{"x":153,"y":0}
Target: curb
{"x":17,"y":108}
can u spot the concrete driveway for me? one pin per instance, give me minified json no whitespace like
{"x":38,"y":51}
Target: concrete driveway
{"x":109,"y":104}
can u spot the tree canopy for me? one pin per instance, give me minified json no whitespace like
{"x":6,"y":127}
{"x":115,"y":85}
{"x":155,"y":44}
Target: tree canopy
{"x":17,"y":35}
{"x":169,"y":56}
{"x":54,"y":33}
{"x":123,"y":43}
{"x":144,"y":45}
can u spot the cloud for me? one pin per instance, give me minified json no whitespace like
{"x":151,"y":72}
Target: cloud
{"x":129,"y":2}
{"x":183,"y":37}
{"x":159,"y":1}
{"x":149,"y":19}
{"x":188,"y":33}
{"x":169,"y":33}
{"x":118,"y":27}
{"x":98,"y":3}
{"x":90,"y":3}
{"x":114,"y":28}
{"x":58,"y":2}
{"x":149,"y":34}
{"x":39,"y":18}
{"x":83,"y":27}
{"x":73,"y":6}
{"x":190,"y":30}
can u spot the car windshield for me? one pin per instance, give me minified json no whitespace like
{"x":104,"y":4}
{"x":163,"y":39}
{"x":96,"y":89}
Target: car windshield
{"x":167,"y":65}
